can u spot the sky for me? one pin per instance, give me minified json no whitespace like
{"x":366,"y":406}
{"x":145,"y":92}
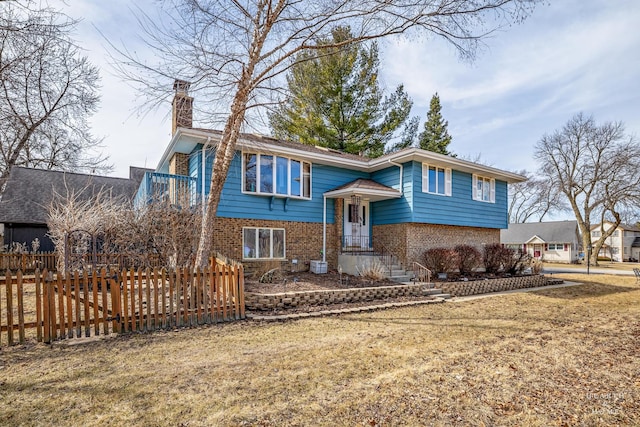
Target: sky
{"x":528,"y":79}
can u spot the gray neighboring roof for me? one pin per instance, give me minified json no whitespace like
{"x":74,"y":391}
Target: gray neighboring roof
{"x":550,"y":232}
{"x":29,"y":192}
{"x":626,"y":227}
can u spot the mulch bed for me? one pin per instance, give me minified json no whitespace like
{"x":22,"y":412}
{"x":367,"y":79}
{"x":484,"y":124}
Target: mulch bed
{"x":307,"y":281}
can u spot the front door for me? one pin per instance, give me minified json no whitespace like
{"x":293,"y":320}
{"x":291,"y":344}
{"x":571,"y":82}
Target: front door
{"x":356,"y":225}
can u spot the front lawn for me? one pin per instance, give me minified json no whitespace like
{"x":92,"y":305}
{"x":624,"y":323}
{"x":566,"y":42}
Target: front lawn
{"x":567,"y":356}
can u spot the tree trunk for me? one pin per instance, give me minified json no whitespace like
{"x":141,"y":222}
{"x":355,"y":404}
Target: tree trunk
{"x":221,"y":164}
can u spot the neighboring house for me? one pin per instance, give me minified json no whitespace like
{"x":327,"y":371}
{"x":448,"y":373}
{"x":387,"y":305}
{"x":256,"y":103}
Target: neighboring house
{"x":28,"y":194}
{"x":295,"y":203}
{"x":622,"y":245}
{"x":556,"y":241}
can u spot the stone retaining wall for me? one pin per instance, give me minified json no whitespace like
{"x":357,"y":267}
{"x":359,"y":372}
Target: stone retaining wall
{"x":460,"y":289}
{"x":266,"y":302}
{"x":256,"y":302}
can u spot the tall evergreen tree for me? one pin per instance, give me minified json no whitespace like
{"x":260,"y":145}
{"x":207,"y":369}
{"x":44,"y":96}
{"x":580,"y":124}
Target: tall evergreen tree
{"x":336,"y":101}
{"x":435,"y":136}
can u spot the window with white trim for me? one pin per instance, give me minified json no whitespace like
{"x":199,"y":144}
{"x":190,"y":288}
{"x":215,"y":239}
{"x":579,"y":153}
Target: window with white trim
{"x":484,"y":189}
{"x":555,"y":247}
{"x":276,"y":175}
{"x":263,"y":243}
{"x":436,"y":180}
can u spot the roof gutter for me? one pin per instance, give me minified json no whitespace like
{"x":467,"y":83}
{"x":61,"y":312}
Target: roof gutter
{"x":204,"y":162}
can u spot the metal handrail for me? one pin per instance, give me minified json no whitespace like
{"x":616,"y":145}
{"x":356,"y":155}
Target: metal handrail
{"x":387,"y":257}
{"x":420,"y":273}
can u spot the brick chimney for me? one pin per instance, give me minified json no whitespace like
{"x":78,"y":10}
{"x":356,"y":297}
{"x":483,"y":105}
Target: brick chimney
{"x":182,"y":112}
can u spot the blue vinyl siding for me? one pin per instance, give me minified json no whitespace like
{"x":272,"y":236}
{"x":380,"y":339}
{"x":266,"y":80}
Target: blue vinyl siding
{"x":459,"y":208}
{"x":393,"y":211}
{"x":414,"y":206}
{"x":235,"y":204}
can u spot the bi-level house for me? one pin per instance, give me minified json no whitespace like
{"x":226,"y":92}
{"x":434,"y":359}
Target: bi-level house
{"x":296,"y":203}
{"x":623,"y":244}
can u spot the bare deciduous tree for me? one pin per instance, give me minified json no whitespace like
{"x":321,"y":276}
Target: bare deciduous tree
{"x":48,"y":89}
{"x":533,"y":199}
{"x":596,"y":167}
{"x":156,"y":234}
{"x":235,"y":52}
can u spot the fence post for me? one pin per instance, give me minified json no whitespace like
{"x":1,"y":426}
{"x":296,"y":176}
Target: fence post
{"x":241,"y":291}
{"x":9,"y":289}
{"x":46,"y":305}
{"x":39,"y":306}
{"x":115,"y":303}
{"x":19,"y":292}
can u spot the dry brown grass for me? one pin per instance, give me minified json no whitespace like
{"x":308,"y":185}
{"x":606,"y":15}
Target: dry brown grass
{"x":564,"y":356}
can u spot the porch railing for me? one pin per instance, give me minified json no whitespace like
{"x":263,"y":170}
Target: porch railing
{"x":387,"y":257}
{"x":356,"y":244}
{"x":421,"y":273}
{"x":178,"y":190}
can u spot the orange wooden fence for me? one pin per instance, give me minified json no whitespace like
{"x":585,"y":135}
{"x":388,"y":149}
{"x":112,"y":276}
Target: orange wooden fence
{"x":47,"y":307}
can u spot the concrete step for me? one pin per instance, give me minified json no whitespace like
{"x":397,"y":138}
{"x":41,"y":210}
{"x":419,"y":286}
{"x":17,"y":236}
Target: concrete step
{"x":443,"y":296}
{"x":399,"y":279}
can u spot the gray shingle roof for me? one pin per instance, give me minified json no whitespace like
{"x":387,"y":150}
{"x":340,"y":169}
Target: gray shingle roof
{"x":550,"y":232}
{"x":365,"y":184}
{"x":29,"y":192}
{"x":290,"y":144}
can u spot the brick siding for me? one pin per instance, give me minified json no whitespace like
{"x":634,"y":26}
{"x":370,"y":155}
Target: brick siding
{"x":303,"y":242}
{"x":179,"y":164}
{"x":410,"y":241}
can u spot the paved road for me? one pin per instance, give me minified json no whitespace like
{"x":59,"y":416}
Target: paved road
{"x":583,"y":270}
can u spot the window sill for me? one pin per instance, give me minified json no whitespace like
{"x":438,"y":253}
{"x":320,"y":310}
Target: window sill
{"x":277,"y":196}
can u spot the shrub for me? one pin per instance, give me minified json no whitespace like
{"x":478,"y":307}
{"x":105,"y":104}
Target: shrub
{"x":492,"y":258}
{"x":536,"y":266}
{"x":516,"y":261}
{"x":441,"y":260}
{"x":372,"y":271}
{"x":468,"y":258}
{"x":497,"y":259}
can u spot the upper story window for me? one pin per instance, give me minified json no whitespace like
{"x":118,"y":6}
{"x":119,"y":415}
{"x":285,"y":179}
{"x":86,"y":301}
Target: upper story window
{"x":616,"y":233}
{"x":595,"y":233}
{"x":436,"y":180}
{"x":276,"y":175}
{"x":484,"y":189}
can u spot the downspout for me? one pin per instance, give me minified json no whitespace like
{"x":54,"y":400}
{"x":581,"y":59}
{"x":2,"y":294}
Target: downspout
{"x":204,"y":162}
{"x":401,"y":174}
{"x":324,"y":229}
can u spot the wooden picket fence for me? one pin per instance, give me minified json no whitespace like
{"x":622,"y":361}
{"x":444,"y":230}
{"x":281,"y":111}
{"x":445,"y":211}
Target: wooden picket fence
{"x":48,"y":307}
{"x":49,"y":260}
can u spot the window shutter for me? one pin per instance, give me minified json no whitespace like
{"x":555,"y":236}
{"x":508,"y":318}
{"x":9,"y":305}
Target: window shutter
{"x":447,"y":182}
{"x":546,"y":247}
{"x":493,"y":191}
{"x":566,"y":247}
